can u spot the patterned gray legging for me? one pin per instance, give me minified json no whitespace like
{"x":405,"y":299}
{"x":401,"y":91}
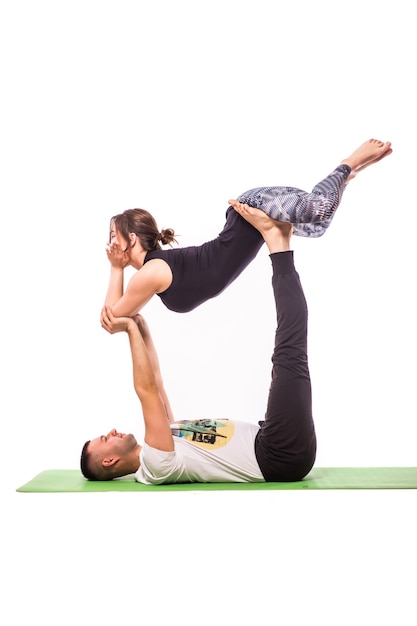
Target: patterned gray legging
{"x":311,"y":213}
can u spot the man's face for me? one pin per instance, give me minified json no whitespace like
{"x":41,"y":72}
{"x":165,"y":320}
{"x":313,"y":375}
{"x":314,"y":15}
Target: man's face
{"x":114,"y":443}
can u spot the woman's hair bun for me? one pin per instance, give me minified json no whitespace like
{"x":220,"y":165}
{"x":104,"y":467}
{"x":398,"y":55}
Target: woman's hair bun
{"x":166,"y":236}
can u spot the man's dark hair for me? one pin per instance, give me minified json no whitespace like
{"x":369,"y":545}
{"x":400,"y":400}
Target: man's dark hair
{"x":85,"y":461}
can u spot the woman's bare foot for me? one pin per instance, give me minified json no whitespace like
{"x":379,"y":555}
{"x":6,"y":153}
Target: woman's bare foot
{"x":277,"y":235}
{"x":368,"y":153}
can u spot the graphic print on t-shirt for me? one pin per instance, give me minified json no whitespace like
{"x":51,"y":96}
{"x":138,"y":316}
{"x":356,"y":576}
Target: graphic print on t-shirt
{"x":205,"y":433}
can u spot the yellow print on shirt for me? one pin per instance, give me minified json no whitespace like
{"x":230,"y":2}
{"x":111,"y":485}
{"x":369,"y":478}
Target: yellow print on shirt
{"x":205,"y":433}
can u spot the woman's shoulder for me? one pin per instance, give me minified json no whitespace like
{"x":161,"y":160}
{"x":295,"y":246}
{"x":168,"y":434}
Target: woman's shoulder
{"x":154,"y":276}
{"x":159,"y":254}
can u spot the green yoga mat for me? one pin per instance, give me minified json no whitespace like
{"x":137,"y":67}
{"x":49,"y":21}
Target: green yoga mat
{"x":55,"y":481}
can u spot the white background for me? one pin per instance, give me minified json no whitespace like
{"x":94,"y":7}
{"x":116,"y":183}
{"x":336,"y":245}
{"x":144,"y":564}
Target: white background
{"x":176,"y":107}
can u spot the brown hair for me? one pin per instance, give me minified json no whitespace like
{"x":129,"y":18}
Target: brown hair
{"x":143,"y":224}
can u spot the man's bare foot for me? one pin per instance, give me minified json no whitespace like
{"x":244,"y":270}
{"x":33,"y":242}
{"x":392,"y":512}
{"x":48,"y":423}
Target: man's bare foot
{"x":277,"y":235}
{"x":368,"y":153}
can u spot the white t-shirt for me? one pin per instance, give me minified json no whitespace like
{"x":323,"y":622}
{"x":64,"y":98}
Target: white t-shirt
{"x":206,"y":451}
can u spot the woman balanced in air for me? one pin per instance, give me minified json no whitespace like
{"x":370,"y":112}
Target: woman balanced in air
{"x":186,"y":277}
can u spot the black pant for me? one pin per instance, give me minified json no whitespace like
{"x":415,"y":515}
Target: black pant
{"x":285,"y":446}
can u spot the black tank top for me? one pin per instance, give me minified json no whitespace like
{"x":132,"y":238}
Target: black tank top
{"x":200,"y":273}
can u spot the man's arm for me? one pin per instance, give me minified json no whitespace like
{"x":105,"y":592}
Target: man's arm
{"x":157,"y":430}
{"x":147,"y":338}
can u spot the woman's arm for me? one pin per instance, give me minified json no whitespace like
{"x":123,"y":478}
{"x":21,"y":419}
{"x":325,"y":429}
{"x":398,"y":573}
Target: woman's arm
{"x":118,"y":261}
{"x":115,"y":288}
{"x":153,"y":277}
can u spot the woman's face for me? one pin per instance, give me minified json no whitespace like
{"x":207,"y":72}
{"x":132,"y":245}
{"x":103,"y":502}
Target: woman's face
{"x":116,"y":239}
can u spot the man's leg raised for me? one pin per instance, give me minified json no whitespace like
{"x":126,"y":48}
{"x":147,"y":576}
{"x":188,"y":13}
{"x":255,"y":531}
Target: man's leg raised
{"x":286,"y":443}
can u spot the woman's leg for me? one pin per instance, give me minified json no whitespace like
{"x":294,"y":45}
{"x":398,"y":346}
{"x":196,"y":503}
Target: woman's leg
{"x":311,"y":213}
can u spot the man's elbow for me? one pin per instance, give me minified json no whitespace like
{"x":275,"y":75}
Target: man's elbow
{"x":147,"y":389}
